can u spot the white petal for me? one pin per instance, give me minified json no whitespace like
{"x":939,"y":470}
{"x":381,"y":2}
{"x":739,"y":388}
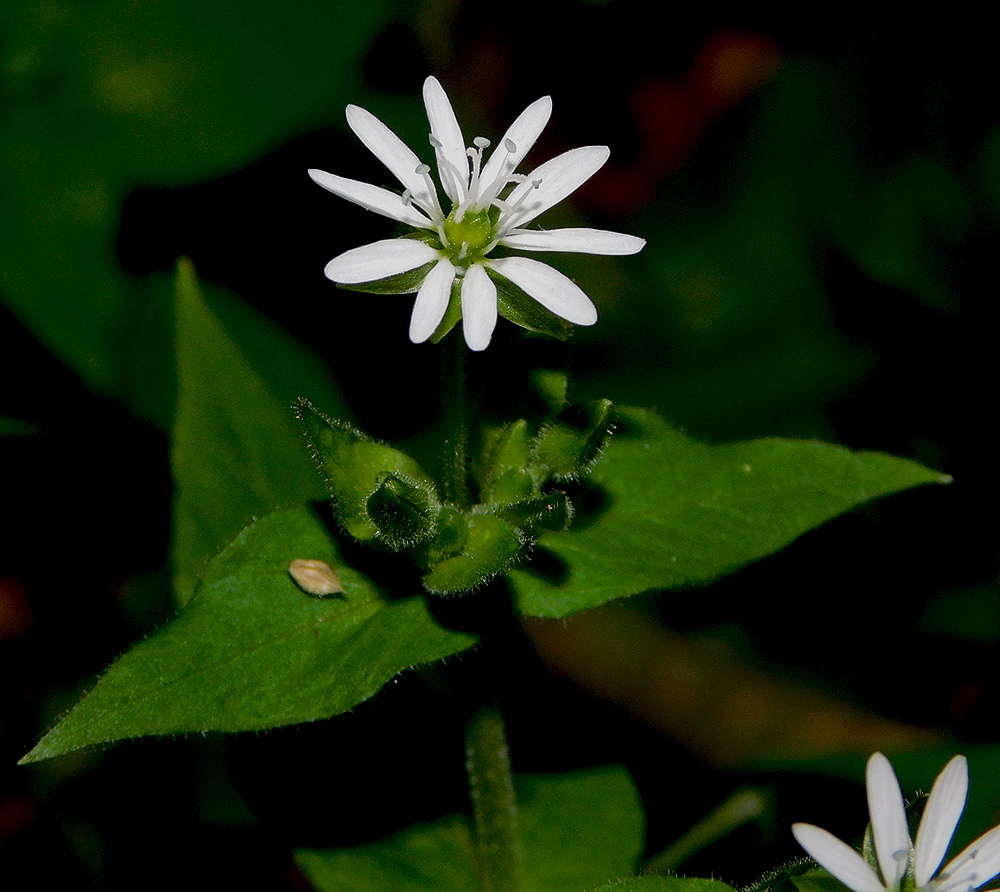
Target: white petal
{"x":940,"y":818}
{"x":549,"y":287}
{"x":369,"y":263}
{"x":975,"y":866}
{"x":432,"y":301}
{"x":522,"y":133}
{"x":453,"y":161}
{"x":391,"y":151}
{"x":479,"y":307}
{"x":837,"y":858}
{"x":888,"y":818}
{"x":372,"y":198}
{"x":556,"y":178}
{"x":577,"y":241}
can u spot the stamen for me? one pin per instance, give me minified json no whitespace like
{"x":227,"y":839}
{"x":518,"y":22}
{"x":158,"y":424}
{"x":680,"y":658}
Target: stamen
{"x":407,"y":197}
{"x":508,"y":211}
{"x":434,"y":206}
{"x":506,"y":175}
{"x":464,"y":252}
{"x":472,"y":196}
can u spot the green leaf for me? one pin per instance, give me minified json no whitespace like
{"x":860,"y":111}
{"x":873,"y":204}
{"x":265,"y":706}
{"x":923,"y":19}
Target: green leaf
{"x":253,"y":650}
{"x":577,"y":830}
{"x":236,"y":452}
{"x":356,"y":468}
{"x":665,"y":884}
{"x":675,"y":513}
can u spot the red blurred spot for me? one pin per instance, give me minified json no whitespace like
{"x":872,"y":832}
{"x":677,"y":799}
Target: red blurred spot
{"x":16,"y":812}
{"x":15,"y":609}
{"x":671,"y":115}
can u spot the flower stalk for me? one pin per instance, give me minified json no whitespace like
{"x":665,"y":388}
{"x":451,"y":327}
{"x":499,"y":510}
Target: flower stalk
{"x":455,"y":411}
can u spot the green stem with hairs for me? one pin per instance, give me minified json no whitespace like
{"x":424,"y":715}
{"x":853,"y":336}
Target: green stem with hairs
{"x":494,"y":806}
{"x":455,"y":412}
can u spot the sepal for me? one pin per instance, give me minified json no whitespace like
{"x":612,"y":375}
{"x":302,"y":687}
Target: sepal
{"x":403,"y":283}
{"x":516,"y":306}
{"x":452,"y":314}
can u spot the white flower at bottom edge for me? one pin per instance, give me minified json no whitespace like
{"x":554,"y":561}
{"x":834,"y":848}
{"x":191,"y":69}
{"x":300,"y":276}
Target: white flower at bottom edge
{"x":485,"y":213}
{"x":904,"y":865}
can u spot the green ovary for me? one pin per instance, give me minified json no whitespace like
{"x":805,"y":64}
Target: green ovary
{"x":474,"y":233}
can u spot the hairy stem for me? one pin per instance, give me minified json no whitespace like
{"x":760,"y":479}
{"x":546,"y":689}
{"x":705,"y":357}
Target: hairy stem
{"x":454,"y":395}
{"x":494,"y":807}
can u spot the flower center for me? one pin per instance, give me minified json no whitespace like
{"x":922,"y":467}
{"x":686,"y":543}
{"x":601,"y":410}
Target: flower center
{"x":469,"y":237}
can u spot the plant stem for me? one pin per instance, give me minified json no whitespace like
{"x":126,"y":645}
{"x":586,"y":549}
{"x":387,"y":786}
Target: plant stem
{"x":454,"y":409}
{"x":494,"y":807}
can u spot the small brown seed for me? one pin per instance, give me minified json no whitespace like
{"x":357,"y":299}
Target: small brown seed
{"x":315,"y":577}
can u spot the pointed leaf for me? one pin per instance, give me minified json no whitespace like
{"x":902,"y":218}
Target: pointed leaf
{"x":679,"y":513}
{"x":253,"y":650}
{"x":577,"y":830}
{"x":236,"y":452}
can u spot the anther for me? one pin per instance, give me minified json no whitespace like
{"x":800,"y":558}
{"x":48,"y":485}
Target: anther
{"x":422,"y":169}
{"x":434,"y":141}
{"x":407,"y":197}
{"x":510,"y":145}
{"x":481,"y":142}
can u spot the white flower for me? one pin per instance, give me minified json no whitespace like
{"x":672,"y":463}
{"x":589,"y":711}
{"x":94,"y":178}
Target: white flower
{"x":902,"y":864}
{"x":485,"y":213}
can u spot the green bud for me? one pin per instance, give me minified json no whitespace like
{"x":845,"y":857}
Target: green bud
{"x":492,"y":545}
{"x":567,"y":447}
{"x":504,"y":476}
{"x":451,"y":531}
{"x":401,"y":512}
